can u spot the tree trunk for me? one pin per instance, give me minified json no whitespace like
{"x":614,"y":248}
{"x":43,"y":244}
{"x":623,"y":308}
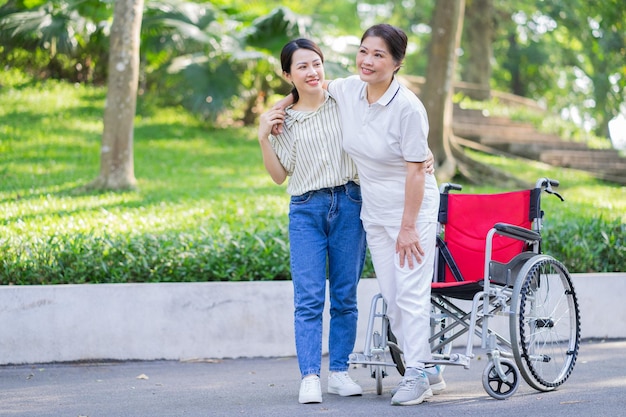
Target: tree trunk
{"x":447,"y":24}
{"x":516,"y":84}
{"x":477,"y":44}
{"x":116,"y":154}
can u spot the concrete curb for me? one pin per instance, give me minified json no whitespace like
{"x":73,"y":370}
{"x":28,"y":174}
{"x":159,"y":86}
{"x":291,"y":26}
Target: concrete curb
{"x":182,"y":321}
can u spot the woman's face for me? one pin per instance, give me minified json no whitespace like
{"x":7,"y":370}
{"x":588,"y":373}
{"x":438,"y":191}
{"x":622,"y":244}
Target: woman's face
{"x":374,"y":61}
{"x":307,"y":71}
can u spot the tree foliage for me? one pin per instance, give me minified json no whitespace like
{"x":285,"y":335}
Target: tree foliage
{"x":593,"y":35}
{"x":570,"y":54}
{"x":65,"y":39}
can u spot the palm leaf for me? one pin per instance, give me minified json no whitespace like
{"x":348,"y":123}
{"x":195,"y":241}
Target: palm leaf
{"x":273,"y":31}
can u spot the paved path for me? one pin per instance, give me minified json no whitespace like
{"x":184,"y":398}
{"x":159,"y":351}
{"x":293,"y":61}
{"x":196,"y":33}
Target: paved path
{"x":268,"y":387}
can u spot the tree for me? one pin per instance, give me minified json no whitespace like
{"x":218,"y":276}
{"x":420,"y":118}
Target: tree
{"x":478,"y":32}
{"x":116,"y":154}
{"x":447,"y":24}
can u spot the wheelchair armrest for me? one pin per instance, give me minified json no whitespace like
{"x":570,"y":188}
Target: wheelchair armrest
{"x":517,"y":232}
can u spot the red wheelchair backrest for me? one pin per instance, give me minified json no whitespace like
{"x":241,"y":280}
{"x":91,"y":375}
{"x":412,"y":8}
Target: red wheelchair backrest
{"x":469,"y":219}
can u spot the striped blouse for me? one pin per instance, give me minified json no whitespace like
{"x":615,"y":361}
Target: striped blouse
{"x":310,"y":149}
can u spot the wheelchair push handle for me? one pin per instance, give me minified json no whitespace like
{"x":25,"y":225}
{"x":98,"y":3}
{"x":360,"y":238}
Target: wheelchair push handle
{"x":546,"y":184}
{"x":447,"y":186}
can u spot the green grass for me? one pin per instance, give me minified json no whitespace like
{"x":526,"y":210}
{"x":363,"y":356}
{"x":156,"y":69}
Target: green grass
{"x":585,"y":196}
{"x":205,"y":208}
{"x":197,"y":186}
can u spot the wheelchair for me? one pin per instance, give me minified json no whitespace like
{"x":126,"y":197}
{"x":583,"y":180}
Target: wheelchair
{"x":490,"y":269}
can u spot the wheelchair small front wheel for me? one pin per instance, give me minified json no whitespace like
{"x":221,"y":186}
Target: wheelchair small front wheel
{"x":379,"y":375}
{"x":495,"y":385}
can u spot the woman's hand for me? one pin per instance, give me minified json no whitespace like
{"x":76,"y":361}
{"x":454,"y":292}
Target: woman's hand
{"x":408,"y":247}
{"x":269,"y":121}
{"x":429,"y":164}
{"x":281,"y":105}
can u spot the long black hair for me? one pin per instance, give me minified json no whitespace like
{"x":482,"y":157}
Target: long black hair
{"x":286,"y":57}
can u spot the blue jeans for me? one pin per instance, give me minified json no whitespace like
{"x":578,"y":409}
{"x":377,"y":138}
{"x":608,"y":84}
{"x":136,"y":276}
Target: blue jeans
{"x":326,"y":236}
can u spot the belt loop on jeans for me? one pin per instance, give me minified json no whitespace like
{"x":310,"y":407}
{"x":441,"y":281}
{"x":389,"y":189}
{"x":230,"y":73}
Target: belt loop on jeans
{"x":343,"y":187}
{"x":337,"y":188}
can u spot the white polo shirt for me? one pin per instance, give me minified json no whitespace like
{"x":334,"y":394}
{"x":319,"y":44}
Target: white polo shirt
{"x":381,"y":138}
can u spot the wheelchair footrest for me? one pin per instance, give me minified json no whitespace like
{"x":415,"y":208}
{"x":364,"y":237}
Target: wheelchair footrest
{"x":362,"y":359}
{"x":456,"y":359}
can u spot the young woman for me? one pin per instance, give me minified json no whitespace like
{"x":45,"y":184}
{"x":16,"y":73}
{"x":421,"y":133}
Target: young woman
{"x":385,"y":132}
{"x":325,"y":231}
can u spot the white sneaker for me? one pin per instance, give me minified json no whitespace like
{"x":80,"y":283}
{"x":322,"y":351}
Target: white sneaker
{"x":341,"y":383}
{"x":310,"y":390}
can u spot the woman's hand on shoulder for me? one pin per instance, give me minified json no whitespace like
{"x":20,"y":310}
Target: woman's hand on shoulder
{"x":429,"y":164}
{"x":269,"y":121}
{"x":281,"y":105}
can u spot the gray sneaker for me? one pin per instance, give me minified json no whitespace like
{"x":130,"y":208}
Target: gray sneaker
{"x":413,"y":389}
{"x":435,"y":379}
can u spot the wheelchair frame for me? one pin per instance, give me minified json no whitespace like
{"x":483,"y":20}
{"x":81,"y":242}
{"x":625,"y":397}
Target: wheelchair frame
{"x":533,"y":290}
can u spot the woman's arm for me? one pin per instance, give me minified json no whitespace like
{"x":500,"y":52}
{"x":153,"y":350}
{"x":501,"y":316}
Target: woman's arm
{"x":408,"y":242}
{"x":267,"y":122}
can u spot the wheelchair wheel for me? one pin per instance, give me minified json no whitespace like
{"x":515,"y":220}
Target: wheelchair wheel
{"x":499,"y":388}
{"x":545,"y":326}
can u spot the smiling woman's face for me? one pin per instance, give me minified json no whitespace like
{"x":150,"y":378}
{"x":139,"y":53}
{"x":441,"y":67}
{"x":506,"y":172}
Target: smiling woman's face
{"x":307,"y":71}
{"x":374,"y":61}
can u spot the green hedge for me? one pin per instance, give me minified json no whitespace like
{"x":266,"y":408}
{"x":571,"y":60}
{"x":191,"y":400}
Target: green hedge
{"x":587,"y":244}
{"x":583,"y":246}
{"x":168,"y":257}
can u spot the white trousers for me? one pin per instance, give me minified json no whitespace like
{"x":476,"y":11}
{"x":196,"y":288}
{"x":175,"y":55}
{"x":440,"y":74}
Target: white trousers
{"x":406,"y":291}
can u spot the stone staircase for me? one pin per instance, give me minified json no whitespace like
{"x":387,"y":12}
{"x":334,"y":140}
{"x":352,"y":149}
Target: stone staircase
{"x":522,"y":139}
{"x":502,"y":135}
